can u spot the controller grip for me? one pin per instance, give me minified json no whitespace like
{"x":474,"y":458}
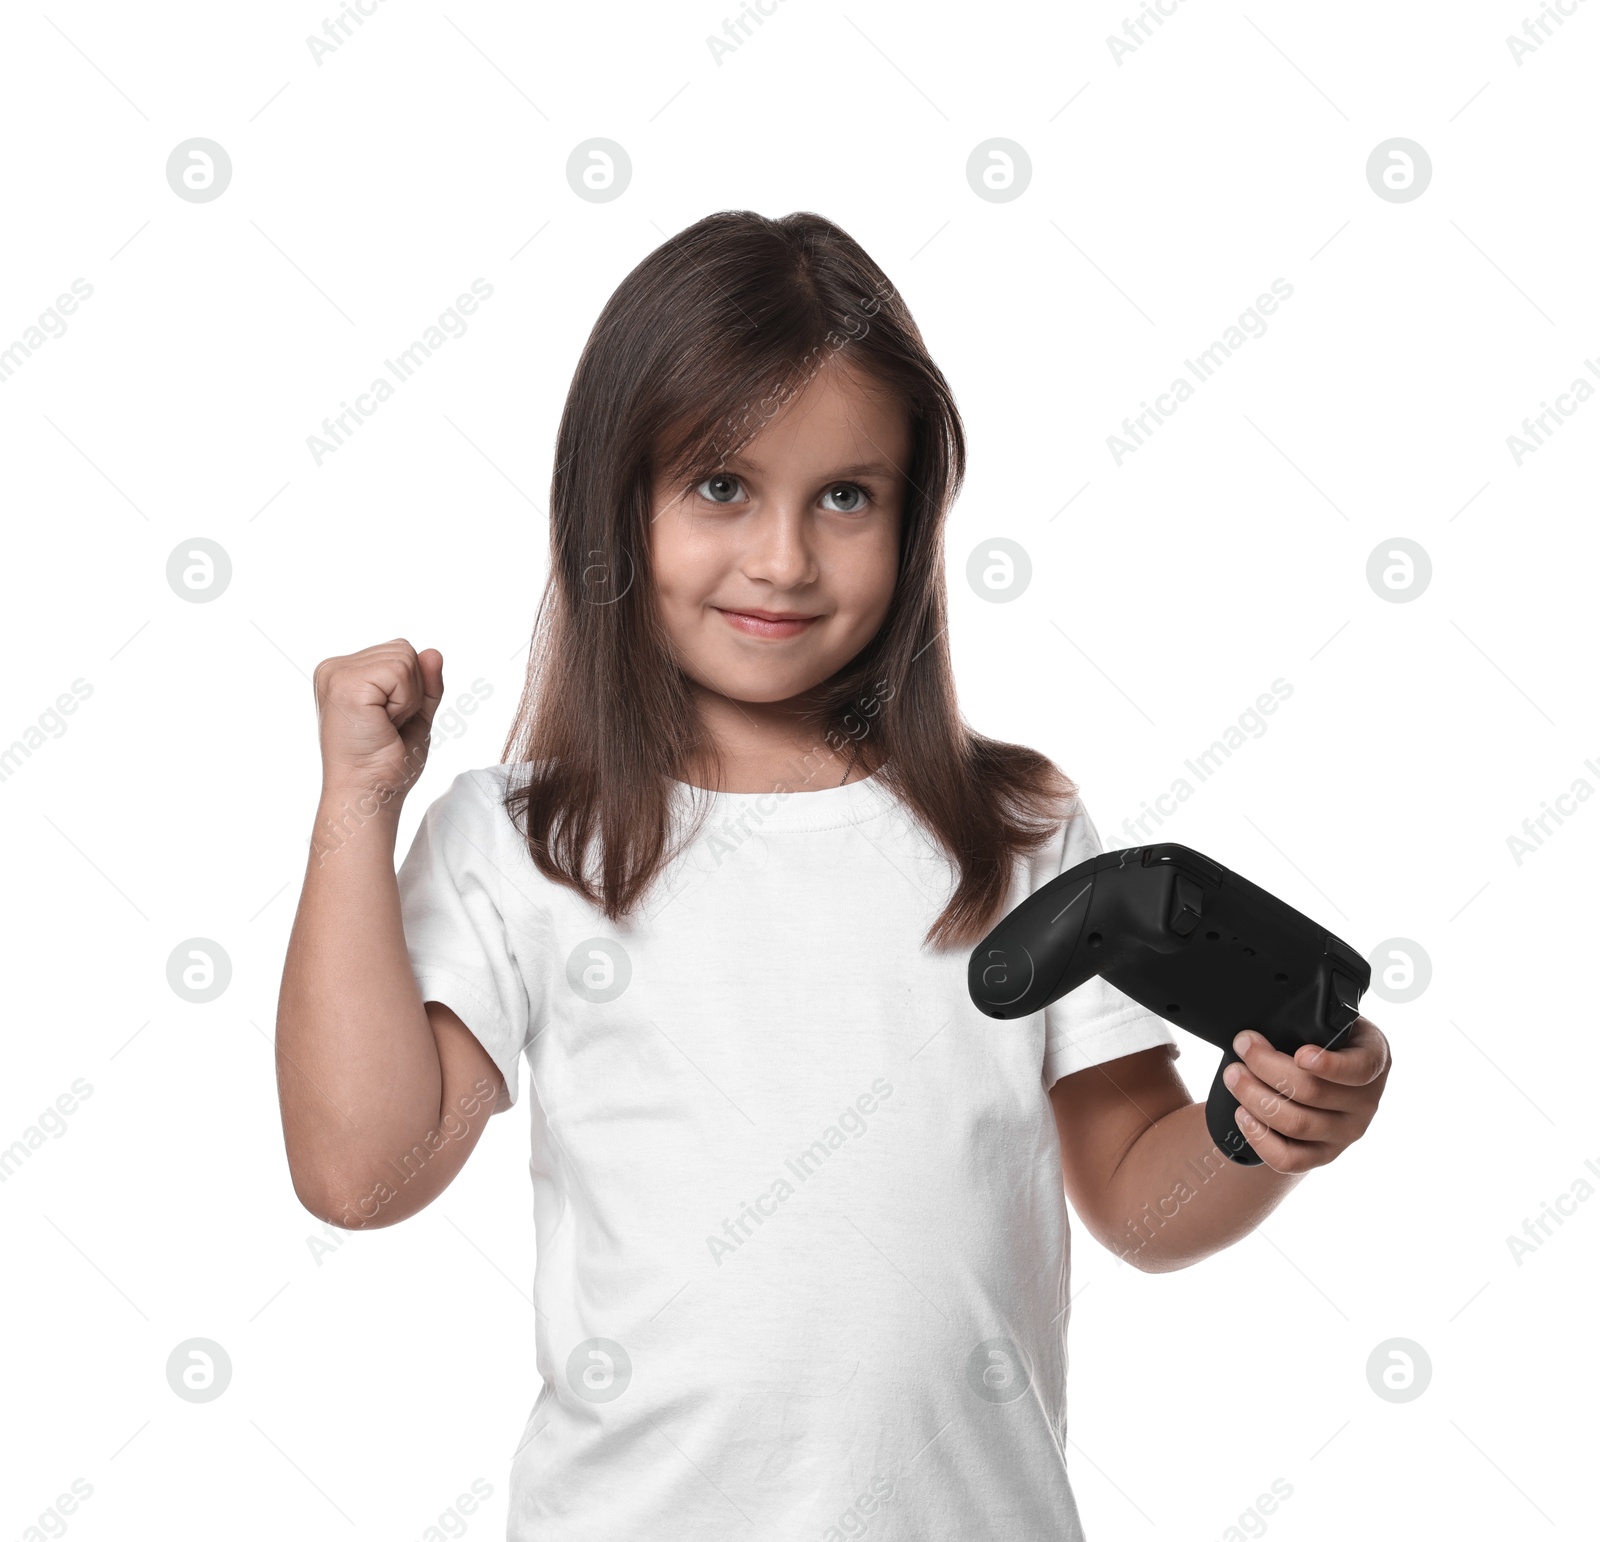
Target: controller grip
{"x":1220,"y":1105}
{"x":1220,"y":1123}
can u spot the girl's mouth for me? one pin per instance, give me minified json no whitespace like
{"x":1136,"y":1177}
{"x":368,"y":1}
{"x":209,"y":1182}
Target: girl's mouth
{"x":757,"y":625}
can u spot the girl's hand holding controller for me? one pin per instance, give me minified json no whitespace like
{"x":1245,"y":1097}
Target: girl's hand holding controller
{"x":374,"y":712}
{"x":1300,"y":1112}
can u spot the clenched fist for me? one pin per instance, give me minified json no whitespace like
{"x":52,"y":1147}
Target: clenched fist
{"x":374,"y":712}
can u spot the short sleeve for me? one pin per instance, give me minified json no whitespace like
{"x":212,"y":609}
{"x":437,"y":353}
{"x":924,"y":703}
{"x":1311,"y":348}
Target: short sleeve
{"x":459,"y":883}
{"x":1096,"y":1022}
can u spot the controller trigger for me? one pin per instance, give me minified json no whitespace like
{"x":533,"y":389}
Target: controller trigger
{"x":1187,"y":905}
{"x":1344,"y":997}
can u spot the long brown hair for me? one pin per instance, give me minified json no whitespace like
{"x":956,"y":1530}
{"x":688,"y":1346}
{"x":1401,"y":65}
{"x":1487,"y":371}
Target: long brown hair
{"x":700,"y":346}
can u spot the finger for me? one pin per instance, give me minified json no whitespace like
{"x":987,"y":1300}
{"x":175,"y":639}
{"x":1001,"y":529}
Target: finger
{"x":1360,"y":1060}
{"x":1285,"y":1115}
{"x":1285,"y":1076}
{"x":1276,"y":1151}
{"x":403,"y":681}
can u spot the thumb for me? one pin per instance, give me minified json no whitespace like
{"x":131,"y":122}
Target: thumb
{"x":415,"y":734}
{"x":431,"y":664}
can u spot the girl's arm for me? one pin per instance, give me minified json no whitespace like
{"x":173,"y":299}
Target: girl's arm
{"x":1143,"y":1173}
{"x":382,"y":1098}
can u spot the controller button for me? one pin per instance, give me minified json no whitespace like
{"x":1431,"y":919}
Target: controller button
{"x":1186,"y":905}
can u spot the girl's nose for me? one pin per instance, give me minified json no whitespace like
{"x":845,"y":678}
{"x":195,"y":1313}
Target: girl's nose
{"x":780,"y":547}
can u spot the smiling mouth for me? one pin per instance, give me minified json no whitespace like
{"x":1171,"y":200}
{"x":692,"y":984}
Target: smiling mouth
{"x":757,"y":624}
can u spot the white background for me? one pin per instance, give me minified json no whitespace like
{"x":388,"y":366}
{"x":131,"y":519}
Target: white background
{"x":374,"y":1382}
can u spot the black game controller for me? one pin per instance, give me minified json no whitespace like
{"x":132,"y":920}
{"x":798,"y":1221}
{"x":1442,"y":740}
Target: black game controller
{"x":1193,"y":942}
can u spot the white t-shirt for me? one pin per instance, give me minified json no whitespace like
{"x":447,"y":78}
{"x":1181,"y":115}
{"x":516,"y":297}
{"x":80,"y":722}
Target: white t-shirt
{"x":802,"y":1246}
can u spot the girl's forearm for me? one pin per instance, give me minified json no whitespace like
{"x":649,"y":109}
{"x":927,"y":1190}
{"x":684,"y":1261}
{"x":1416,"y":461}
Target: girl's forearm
{"x":1181,"y":1199}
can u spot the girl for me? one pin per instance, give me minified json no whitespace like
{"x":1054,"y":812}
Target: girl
{"x":802,"y":1251}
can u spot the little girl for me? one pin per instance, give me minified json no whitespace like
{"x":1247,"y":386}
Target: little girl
{"x":802,"y":1251}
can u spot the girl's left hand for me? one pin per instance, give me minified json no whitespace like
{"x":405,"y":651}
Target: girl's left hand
{"x":1300,"y":1112}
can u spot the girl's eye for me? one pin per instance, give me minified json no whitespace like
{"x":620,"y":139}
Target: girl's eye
{"x":849,"y":489}
{"x":721,"y":481}
{"x":842,"y":497}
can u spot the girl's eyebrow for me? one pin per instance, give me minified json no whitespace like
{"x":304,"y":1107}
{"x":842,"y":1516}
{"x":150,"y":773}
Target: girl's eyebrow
{"x":876,"y":468}
{"x":861,"y":469}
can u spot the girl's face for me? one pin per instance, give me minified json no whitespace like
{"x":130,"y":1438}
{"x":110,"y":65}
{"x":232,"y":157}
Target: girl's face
{"x":803,"y":524}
